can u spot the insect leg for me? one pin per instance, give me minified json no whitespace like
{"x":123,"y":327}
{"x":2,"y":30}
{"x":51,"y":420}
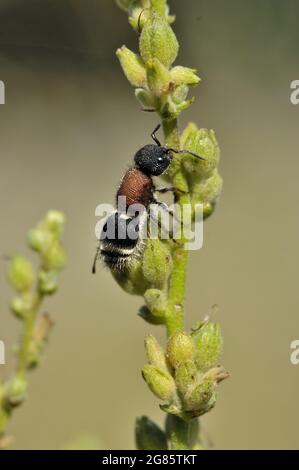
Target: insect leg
{"x":154,"y":137}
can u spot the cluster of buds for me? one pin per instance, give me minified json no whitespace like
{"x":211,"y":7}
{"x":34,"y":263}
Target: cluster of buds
{"x":185,"y":378}
{"x":46,"y":240}
{"x":31,"y":287}
{"x":159,"y":85}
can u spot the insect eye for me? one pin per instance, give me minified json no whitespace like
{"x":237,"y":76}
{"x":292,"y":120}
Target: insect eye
{"x":160,"y":159}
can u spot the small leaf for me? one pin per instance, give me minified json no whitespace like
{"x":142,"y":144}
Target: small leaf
{"x":149,"y":436}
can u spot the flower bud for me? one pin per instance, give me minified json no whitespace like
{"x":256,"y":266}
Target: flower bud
{"x":54,"y":222}
{"x":208,"y":192}
{"x":16,"y":391}
{"x":132,"y":66}
{"x":21,"y":274}
{"x":39,"y":240}
{"x":147,"y":316}
{"x":157,"y":263}
{"x":209,"y":345}
{"x":54,"y":257}
{"x":199,"y":396}
{"x":156,"y":301}
{"x":47,"y":282}
{"x":203,"y":142}
{"x":149,"y":436}
{"x":146,"y":99}
{"x":184,"y":76}
{"x":155,"y":354}
{"x":20,"y":306}
{"x":180,"y":348}
{"x":132,"y":281}
{"x":158,"y":77}
{"x":180,"y":94}
{"x":157,"y":40}
{"x":185,"y":376}
{"x":160,"y":382}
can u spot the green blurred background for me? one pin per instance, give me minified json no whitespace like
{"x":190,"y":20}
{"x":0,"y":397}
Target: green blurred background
{"x":69,"y":129}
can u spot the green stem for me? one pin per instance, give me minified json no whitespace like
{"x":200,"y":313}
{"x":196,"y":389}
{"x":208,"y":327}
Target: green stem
{"x":175,"y":314}
{"x":29,"y":323}
{"x":177,"y":285}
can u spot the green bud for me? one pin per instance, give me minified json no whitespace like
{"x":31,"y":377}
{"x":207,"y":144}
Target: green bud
{"x":180,"y":94}
{"x":156,"y":301}
{"x":157,"y":40}
{"x":185,"y":376}
{"x":180,"y":348}
{"x":155,"y":354}
{"x":146,"y":99}
{"x":54,"y":222}
{"x":174,"y":106}
{"x":21,"y":274}
{"x":47,"y":282}
{"x":209,"y":345}
{"x":149,"y":436}
{"x":208,"y":192}
{"x":39,"y":240}
{"x":203,"y":142}
{"x":158,"y":77}
{"x":132,"y":281}
{"x":160,"y":382}
{"x":16,"y":391}
{"x":157,"y":263}
{"x":147,"y":316}
{"x":20,"y":306}
{"x":54,"y":257}
{"x":184,"y":76}
{"x":199,"y":396}
{"x":132,"y":66}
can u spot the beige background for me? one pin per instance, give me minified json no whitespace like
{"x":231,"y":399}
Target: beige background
{"x":69,"y":129}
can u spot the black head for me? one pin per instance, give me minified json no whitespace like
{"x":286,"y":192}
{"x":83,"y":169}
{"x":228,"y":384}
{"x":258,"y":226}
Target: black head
{"x":153,"y":160}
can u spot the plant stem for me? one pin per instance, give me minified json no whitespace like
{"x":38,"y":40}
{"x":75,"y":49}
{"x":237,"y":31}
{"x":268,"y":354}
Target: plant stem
{"x":176,"y":292}
{"x":177,"y":285}
{"x":29,"y":323}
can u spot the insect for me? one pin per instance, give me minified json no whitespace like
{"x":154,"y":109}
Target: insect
{"x":121,"y":241}
{"x":137,"y":185}
{"x":137,"y":188}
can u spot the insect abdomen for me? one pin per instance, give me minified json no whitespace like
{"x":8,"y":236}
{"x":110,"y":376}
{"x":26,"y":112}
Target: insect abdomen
{"x":120,"y":242}
{"x":137,"y":188}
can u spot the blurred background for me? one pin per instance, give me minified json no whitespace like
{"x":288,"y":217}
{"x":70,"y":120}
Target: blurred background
{"x":69,"y":129}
